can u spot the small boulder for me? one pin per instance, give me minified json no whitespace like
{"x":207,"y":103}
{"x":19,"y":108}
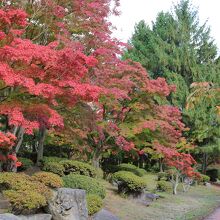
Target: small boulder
{"x":35,"y":217}
{"x":8,"y":216}
{"x":68,"y":204}
{"x":207,"y":184}
{"x":104,"y":215}
{"x":4,"y":204}
{"x":152,"y":196}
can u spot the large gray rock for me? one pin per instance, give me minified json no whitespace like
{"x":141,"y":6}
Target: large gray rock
{"x":35,"y":217}
{"x":152,"y":196}
{"x":68,"y":204}
{"x":8,"y":216}
{"x":146,"y":198}
{"x":104,"y":215}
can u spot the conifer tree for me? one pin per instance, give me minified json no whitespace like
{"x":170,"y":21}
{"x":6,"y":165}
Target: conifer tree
{"x":180,"y":49}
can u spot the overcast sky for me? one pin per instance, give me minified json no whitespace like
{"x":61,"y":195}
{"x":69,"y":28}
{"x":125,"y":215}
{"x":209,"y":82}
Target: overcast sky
{"x":132,"y":11}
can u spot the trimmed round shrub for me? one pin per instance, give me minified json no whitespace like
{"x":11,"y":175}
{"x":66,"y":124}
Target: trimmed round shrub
{"x":204,"y":178}
{"x":162,"y":176}
{"x":89,"y":184}
{"x":77,"y":167}
{"x":26,"y":163}
{"x":24,"y":193}
{"x":141,"y":172}
{"x":164,"y":186}
{"x":131,"y":168}
{"x":129,"y":182}
{"x":25,"y":201}
{"x":94,"y":203}
{"x":54,"y":167}
{"x":51,"y":159}
{"x":49,"y":179}
{"x":127,"y":167}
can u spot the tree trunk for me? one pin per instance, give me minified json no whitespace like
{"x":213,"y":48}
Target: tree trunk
{"x":20,"y":139}
{"x":186,"y":183}
{"x":42,"y":135}
{"x":204,"y":164}
{"x":175,"y":189}
{"x":96,"y":159}
{"x":175,"y":182}
{"x":15,"y":129}
{"x":161,"y":165}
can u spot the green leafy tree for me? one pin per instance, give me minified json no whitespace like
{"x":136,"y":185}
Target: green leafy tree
{"x":180,"y":49}
{"x":205,"y":123}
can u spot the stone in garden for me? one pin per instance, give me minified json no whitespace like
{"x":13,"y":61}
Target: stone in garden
{"x":68,"y":204}
{"x":35,"y":217}
{"x":152,"y":196}
{"x":104,"y":215}
{"x":8,"y":216}
{"x":207,"y":184}
{"x":4,"y":204}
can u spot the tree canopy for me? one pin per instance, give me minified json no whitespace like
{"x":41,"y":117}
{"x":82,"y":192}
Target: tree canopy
{"x":180,"y":49}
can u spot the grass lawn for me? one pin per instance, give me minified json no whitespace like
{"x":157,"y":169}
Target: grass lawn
{"x":193,"y":205}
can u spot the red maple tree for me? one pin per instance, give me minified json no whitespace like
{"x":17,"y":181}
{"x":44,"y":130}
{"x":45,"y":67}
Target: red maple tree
{"x":77,"y":60}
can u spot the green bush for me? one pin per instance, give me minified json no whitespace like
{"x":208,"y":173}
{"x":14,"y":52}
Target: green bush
{"x":26,"y":163}
{"x":25,"y":201}
{"x":129,"y":182}
{"x":99,"y":173}
{"x":131,"y":168}
{"x":94,"y":203}
{"x":89,"y":184}
{"x":162,"y":176}
{"x":24,"y":193}
{"x":51,"y":159}
{"x":49,"y":179}
{"x":140,"y":172}
{"x":54,"y":167}
{"x":164,"y":186}
{"x":204,"y":178}
{"x":77,"y":167}
{"x":126,"y":167}
{"x":64,"y":167}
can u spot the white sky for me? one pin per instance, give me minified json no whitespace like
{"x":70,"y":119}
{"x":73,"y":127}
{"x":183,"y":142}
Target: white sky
{"x":132,"y":11}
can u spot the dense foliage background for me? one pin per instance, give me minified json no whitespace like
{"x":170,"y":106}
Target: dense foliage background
{"x":69,"y":89}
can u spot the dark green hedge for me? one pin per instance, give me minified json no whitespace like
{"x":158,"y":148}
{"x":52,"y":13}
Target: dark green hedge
{"x":89,"y":184}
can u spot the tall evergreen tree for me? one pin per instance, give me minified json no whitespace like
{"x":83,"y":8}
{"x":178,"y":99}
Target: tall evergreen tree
{"x":180,"y":48}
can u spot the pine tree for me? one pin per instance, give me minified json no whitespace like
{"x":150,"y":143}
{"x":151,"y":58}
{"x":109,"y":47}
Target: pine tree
{"x":180,"y":49}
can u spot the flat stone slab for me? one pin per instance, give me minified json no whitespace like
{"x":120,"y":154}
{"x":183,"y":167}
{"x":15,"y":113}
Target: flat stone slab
{"x":35,"y":217}
{"x":8,"y":216}
{"x":105,"y":215}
